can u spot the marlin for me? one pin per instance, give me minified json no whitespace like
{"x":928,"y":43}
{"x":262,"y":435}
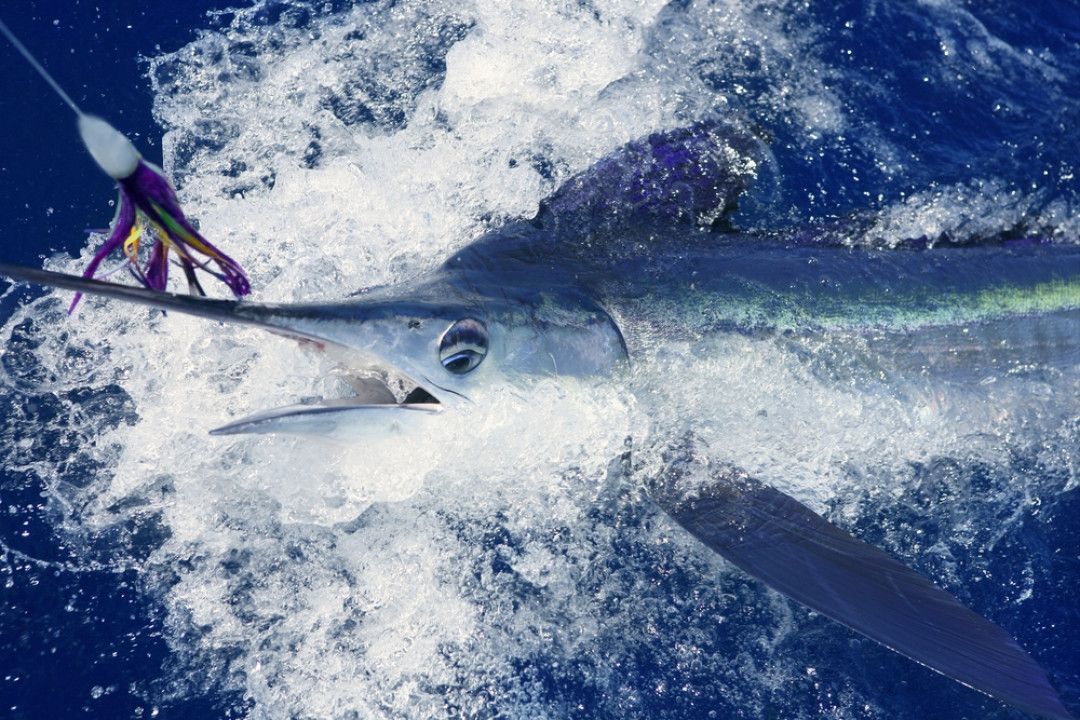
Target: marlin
{"x":637,"y":250}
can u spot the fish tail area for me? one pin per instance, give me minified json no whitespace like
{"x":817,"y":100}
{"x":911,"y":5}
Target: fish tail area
{"x":781,"y":542}
{"x":280,"y":319}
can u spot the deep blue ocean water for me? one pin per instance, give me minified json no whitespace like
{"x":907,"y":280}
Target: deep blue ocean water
{"x":75,"y":644}
{"x":82,"y":642}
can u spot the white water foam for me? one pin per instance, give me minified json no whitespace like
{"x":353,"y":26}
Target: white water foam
{"x":457,"y":574}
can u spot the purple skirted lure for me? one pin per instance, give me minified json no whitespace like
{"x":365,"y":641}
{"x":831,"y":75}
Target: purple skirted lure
{"x":149,"y":212}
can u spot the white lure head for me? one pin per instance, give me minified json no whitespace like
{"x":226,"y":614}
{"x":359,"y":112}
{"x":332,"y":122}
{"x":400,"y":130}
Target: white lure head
{"x":113,"y":152}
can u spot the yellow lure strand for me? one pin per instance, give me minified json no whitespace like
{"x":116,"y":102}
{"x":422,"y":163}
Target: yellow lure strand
{"x":131,"y":244}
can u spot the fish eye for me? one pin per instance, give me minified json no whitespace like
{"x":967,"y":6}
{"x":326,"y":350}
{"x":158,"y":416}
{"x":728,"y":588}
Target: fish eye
{"x":463,"y":346}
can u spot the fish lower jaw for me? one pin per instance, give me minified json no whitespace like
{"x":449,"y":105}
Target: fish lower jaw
{"x":343,"y":419}
{"x":380,"y":402}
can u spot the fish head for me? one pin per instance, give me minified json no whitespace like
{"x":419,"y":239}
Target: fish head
{"x":417,"y":351}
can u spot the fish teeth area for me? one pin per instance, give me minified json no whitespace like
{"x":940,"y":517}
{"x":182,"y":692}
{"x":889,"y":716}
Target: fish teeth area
{"x":510,"y":564}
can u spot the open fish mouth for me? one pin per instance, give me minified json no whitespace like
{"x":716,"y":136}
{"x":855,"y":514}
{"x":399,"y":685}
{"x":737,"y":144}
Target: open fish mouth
{"x":380,"y":401}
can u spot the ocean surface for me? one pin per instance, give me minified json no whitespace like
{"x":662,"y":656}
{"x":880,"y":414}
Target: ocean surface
{"x":499,"y":570}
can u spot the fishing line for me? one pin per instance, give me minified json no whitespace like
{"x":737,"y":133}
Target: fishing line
{"x":151,"y":202}
{"x":41,"y":70}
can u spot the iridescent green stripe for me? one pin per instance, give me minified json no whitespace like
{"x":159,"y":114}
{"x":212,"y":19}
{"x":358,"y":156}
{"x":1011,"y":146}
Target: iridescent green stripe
{"x":768,"y":309}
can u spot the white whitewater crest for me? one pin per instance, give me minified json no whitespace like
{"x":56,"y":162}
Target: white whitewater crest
{"x":467,"y":572}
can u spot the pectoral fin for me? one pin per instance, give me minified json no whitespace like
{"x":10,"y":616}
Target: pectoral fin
{"x":787,"y":546}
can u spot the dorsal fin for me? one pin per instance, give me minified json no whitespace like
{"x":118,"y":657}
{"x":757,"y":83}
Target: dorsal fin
{"x":690,"y":176}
